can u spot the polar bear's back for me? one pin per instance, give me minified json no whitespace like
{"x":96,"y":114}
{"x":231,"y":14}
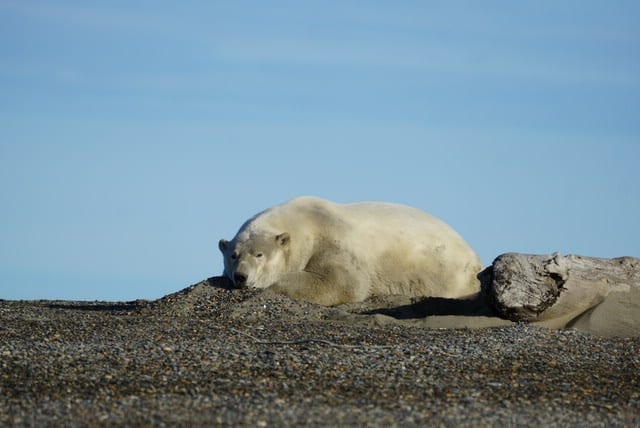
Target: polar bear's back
{"x":384,"y":216}
{"x":365,"y":222}
{"x":375,"y":219}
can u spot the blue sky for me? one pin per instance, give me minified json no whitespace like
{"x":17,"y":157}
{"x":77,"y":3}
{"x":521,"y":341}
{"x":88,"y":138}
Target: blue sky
{"x":134,"y":135}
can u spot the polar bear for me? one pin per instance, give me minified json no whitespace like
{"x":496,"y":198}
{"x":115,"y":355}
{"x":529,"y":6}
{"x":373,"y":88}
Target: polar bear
{"x":328,"y":253}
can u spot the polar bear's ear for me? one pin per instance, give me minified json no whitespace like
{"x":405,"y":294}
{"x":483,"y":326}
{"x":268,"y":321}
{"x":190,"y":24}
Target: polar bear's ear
{"x":283,"y":239}
{"x":222,"y":244}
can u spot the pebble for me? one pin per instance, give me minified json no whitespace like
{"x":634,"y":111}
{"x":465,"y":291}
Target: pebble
{"x":212,"y":356}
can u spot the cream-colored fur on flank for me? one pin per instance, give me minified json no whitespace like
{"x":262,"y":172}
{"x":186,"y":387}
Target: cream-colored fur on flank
{"x":328,"y":253}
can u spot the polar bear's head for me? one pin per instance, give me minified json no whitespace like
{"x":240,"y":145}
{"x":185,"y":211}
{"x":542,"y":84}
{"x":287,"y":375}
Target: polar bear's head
{"x":256,"y":260}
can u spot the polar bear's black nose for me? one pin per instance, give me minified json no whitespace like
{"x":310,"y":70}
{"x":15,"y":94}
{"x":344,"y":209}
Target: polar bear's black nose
{"x":240,"y":279}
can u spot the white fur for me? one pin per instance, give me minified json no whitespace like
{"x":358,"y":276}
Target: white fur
{"x":339,"y":253}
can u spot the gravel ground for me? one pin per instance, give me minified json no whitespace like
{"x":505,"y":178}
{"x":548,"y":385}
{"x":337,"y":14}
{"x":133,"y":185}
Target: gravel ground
{"x":212,"y":356}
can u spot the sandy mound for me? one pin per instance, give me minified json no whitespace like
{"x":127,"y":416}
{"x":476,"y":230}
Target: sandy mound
{"x":617,"y":315}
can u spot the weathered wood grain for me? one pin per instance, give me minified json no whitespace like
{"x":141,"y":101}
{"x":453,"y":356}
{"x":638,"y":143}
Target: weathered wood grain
{"x":527,"y":287}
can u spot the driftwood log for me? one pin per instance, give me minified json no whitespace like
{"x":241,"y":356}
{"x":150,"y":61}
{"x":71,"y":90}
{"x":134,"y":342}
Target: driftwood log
{"x":537,"y":288}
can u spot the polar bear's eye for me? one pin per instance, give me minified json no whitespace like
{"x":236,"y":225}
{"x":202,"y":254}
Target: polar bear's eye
{"x":234,"y":255}
{"x":259,"y":255}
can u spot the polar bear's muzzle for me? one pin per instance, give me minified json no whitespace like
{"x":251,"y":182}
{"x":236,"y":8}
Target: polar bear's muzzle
{"x":240,"y":280}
